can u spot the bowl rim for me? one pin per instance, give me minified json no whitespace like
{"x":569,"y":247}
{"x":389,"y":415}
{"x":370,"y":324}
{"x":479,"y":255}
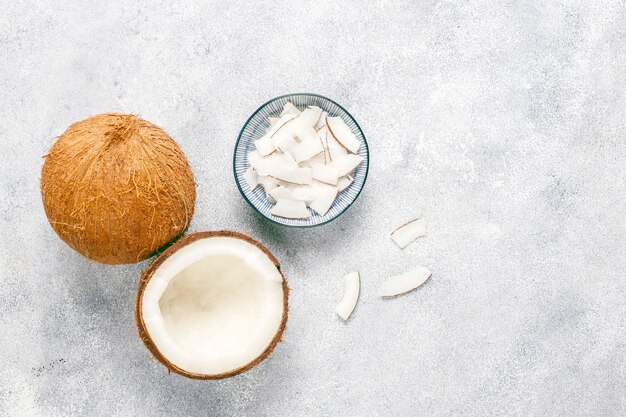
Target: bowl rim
{"x":367,"y":153}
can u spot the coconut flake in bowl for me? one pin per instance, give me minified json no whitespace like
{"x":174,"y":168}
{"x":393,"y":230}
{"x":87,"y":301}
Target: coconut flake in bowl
{"x":301,"y":160}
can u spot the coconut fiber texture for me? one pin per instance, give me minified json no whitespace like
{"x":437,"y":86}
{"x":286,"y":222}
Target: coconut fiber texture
{"x":116,"y":188}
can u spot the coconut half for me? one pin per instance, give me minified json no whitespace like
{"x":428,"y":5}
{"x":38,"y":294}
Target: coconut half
{"x":212,"y":305}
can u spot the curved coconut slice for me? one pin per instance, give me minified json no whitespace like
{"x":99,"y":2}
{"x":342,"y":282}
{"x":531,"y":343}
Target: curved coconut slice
{"x":289,"y":108}
{"x":408,"y":232}
{"x":212,"y":305}
{"x":342,"y":132}
{"x":346,"y":164}
{"x":404,"y":282}
{"x":290,"y":209}
{"x":351,"y":290}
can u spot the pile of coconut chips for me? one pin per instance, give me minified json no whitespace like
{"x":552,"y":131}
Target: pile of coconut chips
{"x":304,"y":161}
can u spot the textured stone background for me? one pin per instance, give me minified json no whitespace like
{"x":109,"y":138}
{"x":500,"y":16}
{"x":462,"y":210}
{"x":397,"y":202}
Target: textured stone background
{"x":501,"y":122}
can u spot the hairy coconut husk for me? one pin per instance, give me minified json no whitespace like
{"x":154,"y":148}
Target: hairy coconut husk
{"x":116,"y":188}
{"x":147,"y":276}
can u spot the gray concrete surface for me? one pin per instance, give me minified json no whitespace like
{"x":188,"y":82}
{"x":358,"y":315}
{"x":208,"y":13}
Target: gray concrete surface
{"x":501,"y":122}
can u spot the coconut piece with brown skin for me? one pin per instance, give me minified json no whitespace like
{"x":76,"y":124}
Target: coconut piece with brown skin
{"x":212,"y":305}
{"x":116,"y":188}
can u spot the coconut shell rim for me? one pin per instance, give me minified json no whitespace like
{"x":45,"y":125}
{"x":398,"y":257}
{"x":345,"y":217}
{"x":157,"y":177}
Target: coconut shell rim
{"x":146,"y":276}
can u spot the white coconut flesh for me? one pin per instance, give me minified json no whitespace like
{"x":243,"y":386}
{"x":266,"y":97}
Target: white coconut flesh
{"x":404,"y":282}
{"x":351,"y":290}
{"x":214,"y":306}
{"x":408,"y":232}
{"x":310,"y":153}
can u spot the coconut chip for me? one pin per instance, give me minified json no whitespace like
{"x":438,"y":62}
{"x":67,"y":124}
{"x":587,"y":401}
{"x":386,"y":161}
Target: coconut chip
{"x":405,"y":282}
{"x":408,"y":232}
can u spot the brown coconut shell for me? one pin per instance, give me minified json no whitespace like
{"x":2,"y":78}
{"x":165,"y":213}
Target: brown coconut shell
{"x":147,"y":276}
{"x":116,"y":188}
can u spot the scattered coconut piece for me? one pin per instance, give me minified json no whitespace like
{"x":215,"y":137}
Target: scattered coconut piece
{"x":290,"y":209}
{"x":327,"y":174}
{"x":341,"y":131}
{"x":251,"y":177}
{"x":408,"y":232}
{"x":344,"y":182}
{"x":346,"y":164}
{"x":405,"y":282}
{"x":351,"y":290}
{"x":325,"y":196}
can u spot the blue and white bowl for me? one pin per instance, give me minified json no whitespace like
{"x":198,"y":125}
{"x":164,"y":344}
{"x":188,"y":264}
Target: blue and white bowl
{"x":257,"y":125}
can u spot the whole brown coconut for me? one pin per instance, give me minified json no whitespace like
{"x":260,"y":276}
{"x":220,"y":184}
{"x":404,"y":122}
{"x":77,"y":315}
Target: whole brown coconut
{"x":116,"y":188}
